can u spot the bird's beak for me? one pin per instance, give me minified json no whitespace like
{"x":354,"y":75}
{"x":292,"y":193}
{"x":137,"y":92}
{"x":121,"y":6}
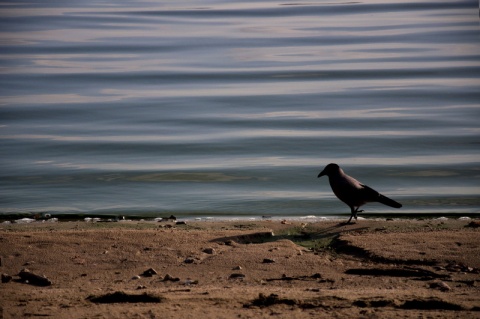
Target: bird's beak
{"x":322,"y":173}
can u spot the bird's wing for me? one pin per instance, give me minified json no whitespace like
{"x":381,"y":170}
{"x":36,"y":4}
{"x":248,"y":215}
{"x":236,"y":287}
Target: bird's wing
{"x":372,"y":195}
{"x":369,"y":194}
{"x":369,"y":190}
{"x":348,"y":190}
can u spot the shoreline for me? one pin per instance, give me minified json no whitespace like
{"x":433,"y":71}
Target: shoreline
{"x":32,"y":217}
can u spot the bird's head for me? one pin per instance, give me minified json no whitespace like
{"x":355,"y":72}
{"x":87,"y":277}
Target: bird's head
{"x":329,"y":170}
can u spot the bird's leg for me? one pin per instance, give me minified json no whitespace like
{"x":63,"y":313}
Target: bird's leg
{"x":352,"y":213}
{"x":357,"y":211}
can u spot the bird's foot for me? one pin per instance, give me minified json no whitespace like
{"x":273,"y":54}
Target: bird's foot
{"x":356,"y":212}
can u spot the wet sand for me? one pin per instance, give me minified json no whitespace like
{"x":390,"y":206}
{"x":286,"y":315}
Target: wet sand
{"x":244,"y":269}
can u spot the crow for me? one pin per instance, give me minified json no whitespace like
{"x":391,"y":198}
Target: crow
{"x":352,"y":192}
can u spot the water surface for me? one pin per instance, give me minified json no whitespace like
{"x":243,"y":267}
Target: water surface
{"x":216,"y":108}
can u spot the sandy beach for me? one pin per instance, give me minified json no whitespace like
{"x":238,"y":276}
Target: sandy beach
{"x":241,"y":269}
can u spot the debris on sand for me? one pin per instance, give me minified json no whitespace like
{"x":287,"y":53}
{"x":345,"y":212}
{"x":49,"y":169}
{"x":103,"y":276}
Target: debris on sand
{"x":289,"y":278}
{"x":166,"y":219}
{"x":149,"y":272}
{"x":474,"y":224}
{"x":419,"y":303}
{"x":122,"y":297}
{"x":170,"y":278}
{"x":33,"y":279}
{"x":236,"y":276}
{"x":442,"y":286}
{"x":189,"y":282}
{"x":272,"y":299}
{"x":460,"y":267}
{"x":396,"y":272}
{"x":209,"y":251}
{"x":6,"y":278}
{"x":430,"y":304}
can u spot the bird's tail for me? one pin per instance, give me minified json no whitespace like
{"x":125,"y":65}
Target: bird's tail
{"x":389,"y":202}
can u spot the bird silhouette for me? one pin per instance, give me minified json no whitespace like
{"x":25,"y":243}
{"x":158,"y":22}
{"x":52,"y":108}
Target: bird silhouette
{"x":352,"y":192}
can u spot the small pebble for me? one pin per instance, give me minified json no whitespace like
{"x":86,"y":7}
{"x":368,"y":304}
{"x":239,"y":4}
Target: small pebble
{"x":170,"y":278}
{"x":268,"y":261}
{"x":6,"y":278}
{"x":440,"y":285}
{"x":230,"y":243}
{"x":237,"y":276}
{"x":149,"y":272}
{"x":189,"y":282}
{"x":209,"y":251}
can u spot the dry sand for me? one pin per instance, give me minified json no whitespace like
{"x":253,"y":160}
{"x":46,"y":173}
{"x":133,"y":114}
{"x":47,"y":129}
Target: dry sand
{"x":267,"y":269}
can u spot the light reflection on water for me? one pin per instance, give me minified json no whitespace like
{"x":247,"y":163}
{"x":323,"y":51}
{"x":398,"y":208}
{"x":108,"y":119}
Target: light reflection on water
{"x":233,"y":108}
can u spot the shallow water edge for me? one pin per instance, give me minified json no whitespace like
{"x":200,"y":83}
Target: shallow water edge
{"x":165,"y":217}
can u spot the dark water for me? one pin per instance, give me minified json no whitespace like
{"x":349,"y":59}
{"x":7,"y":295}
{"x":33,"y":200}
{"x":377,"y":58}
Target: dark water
{"x":231,"y":108}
